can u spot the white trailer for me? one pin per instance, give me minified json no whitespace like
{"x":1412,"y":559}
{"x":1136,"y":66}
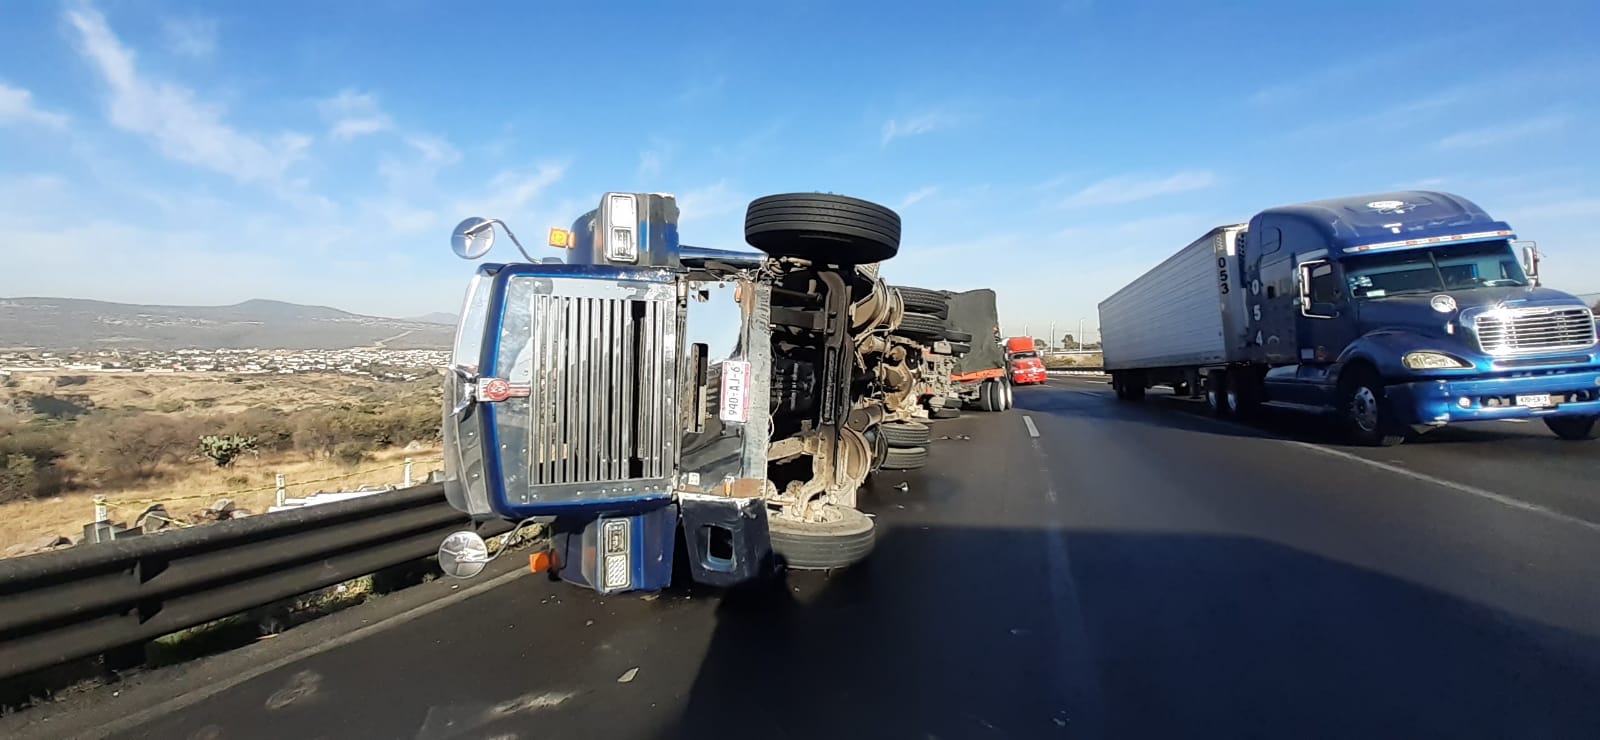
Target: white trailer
{"x":1183,"y":316}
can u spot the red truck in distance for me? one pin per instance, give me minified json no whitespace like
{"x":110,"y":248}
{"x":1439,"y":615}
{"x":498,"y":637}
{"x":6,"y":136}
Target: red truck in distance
{"x":1023,"y":361}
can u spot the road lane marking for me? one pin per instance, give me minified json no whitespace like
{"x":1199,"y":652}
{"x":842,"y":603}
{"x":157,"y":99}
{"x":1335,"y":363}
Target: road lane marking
{"x":178,"y":703}
{"x":1471,"y":490}
{"x":1033,"y":431}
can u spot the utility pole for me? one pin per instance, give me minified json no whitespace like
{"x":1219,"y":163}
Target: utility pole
{"x":1052,"y":346}
{"x":1080,"y":334}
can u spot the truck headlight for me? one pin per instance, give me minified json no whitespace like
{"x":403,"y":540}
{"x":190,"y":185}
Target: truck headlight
{"x":622,"y":224}
{"x":1433,"y":361}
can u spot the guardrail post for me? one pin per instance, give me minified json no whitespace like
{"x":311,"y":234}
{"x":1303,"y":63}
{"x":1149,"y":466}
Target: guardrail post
{"x":102,"y":512}
{"x":282,"y":494}
{"x":408,"y":473}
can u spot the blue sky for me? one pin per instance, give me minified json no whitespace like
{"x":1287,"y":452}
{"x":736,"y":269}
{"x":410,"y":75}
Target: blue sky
{"x":179,"y":152}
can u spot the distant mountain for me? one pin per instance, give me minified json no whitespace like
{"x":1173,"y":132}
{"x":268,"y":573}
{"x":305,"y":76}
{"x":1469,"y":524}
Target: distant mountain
{"x":437,"y":317}
{"x":72,"y":323}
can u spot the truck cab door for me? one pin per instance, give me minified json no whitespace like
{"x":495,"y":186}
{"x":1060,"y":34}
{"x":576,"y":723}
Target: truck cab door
{"x":1326,"y":321}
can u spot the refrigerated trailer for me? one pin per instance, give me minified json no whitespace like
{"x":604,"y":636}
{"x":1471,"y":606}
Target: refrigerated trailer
{"x":1399,"y":313}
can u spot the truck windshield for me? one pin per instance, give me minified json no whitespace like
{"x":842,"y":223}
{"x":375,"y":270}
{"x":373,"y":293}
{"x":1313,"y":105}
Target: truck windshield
{"x":1452,"y":267}
{"x":1024,"y":355}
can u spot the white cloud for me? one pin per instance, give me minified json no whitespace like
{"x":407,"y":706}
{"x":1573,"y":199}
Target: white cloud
{"x":1501,"y":134}
{"x":191,"y":37}
{"x":183,"y":128}
{"x":649,"y":164}
{"x":1132,"y":188}
{"x":355,"y":114}
{"x":510,"y":194}
{"x":434,"y":149}
{"x":923,"y":123}
{"x":16,"y":107}
{"x":918,"y":195}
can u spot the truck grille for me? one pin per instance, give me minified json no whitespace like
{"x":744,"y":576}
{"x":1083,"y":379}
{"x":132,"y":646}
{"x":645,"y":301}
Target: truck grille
{"x":599,"y":398}
{"x":1536,"y":330}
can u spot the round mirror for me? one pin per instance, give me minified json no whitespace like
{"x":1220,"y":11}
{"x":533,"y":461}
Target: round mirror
{"x":472,"y":238}
{"x":463,"y":555}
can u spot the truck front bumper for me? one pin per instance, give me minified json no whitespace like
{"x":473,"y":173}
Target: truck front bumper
{"x":1029,"y":377}
{"x":1440,"y":402}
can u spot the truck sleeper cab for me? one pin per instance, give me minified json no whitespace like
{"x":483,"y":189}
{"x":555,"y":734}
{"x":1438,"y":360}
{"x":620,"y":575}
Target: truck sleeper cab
{"x":1398,"y":312}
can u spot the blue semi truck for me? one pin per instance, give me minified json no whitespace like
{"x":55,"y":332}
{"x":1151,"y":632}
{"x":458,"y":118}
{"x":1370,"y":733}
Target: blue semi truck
{"x":1398,"y":313}
{"x":669,"y":410}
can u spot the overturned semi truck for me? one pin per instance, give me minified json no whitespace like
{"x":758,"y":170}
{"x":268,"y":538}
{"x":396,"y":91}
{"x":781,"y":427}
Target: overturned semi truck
{"x":643,"y":397}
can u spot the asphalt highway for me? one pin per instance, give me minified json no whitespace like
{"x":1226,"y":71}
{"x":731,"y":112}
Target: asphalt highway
{"x":1076,"y":567}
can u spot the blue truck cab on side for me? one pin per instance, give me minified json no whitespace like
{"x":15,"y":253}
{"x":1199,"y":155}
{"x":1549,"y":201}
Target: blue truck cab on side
{"x":1405,"y":312}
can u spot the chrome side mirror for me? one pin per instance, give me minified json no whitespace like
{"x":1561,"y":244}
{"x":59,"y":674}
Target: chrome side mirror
{"x":473,"y":237}
{"x":463,"y":554}
{"x":1530,"y":261}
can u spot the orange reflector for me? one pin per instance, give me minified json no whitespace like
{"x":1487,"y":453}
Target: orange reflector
{"x":539,"y":562}
{"x":738,"y":292}
{"x":561,"y":238}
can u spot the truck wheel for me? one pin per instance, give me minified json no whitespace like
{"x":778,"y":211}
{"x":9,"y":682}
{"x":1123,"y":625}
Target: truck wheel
{"x":958,"y":336}
{"x":1133,"y":385}
{"x":944,"y":413}
{"x":922,"y":300}
{"x":921,"y":326}
{"x":1217,"y":392}
{"x":986,"y":396}
{"x":906,"y":433}
{"x":1574,"y":428}
{"x":905,"y":458}
{"x":1010,"y":394}
{"x":1243,"y":399}
{"x":1364,"y":411}
{"x":958,"y":349}
{"x":821,"y":227}
{"x":822,"y":545}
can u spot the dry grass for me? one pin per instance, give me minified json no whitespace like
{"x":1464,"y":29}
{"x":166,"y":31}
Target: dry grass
{"x":206,"y":393}
{"x":250,"y":483}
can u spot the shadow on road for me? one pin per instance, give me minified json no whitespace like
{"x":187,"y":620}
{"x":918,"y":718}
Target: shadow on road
{"x":1179,"y":636}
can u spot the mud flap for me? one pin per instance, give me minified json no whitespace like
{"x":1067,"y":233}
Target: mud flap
{"x":726,"y":538}
{"x":616,"y":553}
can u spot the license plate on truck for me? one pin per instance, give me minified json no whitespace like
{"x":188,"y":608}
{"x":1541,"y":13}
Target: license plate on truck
{"x":1534,"y":400}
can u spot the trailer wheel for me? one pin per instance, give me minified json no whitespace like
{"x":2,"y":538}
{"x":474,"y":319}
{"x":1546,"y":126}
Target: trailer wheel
{"x":906,"y":433}
{"x":958,"y":348}
{"x":957,"y":336}
{"x":821,"y":227}
{"x":1010,"y":394}
{"x":1217,"y":392}
{"x":1574,"y":428}
{"x":921,"y":326}
{"x":822,"y":545}
{"x":905,"y":458}
{"x":944,"y":413}
{"x":1132,"y":386}
{"x":1244,"y":398}
{"x":986,"y":396}
{"x":1364,"y":410}
{"x":922,"y":300}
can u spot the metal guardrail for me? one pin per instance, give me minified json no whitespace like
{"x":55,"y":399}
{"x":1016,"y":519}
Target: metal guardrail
{"x":1076,"y":371}
{"x":69,"y":604}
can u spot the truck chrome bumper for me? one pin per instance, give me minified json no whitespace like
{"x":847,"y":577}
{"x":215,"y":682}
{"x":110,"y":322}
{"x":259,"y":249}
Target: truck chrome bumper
{"x":1440,"y":402}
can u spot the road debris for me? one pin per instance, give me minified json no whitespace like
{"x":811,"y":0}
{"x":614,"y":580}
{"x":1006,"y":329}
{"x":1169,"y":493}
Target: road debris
{"x":627,"y":676}
{"x":902,"y":486}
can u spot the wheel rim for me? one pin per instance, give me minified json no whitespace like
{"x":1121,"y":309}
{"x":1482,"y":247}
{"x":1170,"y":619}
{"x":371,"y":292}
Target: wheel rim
{"x":1233,"y":400}
{"x":1364,"y":409}
{"x":1214,"y":399}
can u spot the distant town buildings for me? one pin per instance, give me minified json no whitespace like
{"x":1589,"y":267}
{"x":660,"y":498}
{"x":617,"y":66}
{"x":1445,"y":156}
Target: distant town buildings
{"x":383,"y":364}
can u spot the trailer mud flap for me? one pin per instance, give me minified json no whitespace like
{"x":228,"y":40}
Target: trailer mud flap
{"x":726,"y":538}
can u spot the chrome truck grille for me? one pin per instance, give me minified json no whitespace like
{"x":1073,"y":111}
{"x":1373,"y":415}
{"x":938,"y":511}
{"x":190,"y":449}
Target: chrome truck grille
{"x":600,"y":396}
{"x":1528,"y":330}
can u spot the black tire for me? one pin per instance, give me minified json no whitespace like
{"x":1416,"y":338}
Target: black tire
{"x":921,"y":326}
{"x":1244,"y":398}
{"x":905,"y":458}
{"x":958,"y":349}
{"x":906,"y":433}
{"x":811,"y":546}
{"x":922,"y":300}
{"x":958,"y":336}
{"x":1011,"y":394}
{"x":1364,"y":410}
{"x":825,"y":228}
{"x":1130,"y":386}
{"x":953,"y":402}
{"x":945,"y":413}
{"x":1574,"y":428}
{"x":1217,"y":392}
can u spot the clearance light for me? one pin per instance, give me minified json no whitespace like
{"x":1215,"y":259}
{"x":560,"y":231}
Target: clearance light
{"x":1423,"y":242}
{"x":621,"y":225}
{"x":560,"y":238}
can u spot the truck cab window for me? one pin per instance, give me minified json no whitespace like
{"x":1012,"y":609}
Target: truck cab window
{"x":1324,"y":285}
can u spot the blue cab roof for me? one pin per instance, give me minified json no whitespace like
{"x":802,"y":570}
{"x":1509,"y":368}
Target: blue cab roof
{"x":1389,"y":217}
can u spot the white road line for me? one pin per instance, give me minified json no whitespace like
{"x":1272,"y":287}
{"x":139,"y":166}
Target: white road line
{"x":1499,"y":498}
{"x":1033,"y":431}
{"x":177,"y":703}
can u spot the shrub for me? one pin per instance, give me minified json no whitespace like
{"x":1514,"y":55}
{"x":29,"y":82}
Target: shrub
{"x":129,"y":449}
{"x":350,"y":453}
{"x":172,"y":406}
{"x":224,"y":449}
{"x":19,"y":478}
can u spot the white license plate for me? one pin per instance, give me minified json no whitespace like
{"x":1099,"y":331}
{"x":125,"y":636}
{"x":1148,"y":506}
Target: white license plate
{"x":1534,"y":400}
{"x":735,"y":391}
